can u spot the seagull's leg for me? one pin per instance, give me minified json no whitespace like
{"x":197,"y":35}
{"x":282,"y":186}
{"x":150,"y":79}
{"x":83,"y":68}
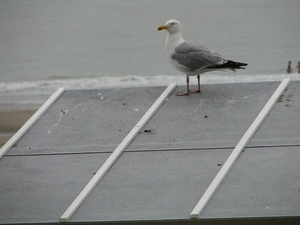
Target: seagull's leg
{"x":187,"y":88}
{"x":197,"y":90}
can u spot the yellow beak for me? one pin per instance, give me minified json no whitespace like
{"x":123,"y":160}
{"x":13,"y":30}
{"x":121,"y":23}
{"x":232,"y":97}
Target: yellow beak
{"x":162,"y":27}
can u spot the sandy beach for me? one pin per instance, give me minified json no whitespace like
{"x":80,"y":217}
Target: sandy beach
{"x":11,"y":122}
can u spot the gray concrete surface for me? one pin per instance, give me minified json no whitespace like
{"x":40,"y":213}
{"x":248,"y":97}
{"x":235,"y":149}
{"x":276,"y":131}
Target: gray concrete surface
{"x":164,"y":172}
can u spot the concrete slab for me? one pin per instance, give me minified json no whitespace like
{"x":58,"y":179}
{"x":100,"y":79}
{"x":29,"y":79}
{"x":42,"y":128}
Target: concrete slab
{"x":35,"y":189}
{"x":264,"y":182}
{"x":216,"y":118}
{"x":80,"y":121}
{"x":164,"y":172}
{"x":166,"y":188}
{"x":282,"y":126}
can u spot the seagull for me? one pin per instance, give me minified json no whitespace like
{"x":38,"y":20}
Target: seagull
{"x":192,"y":59}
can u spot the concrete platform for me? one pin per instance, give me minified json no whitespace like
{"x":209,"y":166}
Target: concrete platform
{"x":165,"y":170}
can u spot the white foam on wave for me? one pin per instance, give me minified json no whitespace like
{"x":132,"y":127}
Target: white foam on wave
{"x":36,"y":92}
{"x":46,"y":86}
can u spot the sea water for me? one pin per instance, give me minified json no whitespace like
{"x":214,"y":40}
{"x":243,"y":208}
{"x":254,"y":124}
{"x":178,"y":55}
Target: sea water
{"x":93,"y":44}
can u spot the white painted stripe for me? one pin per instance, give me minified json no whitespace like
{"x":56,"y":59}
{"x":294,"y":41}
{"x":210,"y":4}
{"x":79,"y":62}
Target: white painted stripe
{"x":116,"y":153}
{"x":31,"y":121}
{"x":238,"y":149}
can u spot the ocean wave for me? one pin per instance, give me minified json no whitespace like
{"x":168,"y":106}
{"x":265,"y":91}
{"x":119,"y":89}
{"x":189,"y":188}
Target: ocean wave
{"x":46,"y":86}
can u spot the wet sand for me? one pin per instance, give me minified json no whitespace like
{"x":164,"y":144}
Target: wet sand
{"x":11,"y":122}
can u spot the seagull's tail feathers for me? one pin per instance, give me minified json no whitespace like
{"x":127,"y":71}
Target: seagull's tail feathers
{"x":229,"y":64}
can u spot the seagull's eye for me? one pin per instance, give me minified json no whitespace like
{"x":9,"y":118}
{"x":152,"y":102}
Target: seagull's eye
{"x":172,"y":23}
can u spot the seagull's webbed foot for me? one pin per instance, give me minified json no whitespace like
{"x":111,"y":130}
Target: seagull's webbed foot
{"x":183,"y":93}
{"x":188,"y":91}
{"x":195,"y":91}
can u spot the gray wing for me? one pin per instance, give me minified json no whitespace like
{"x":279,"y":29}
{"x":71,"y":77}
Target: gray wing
{"x":196,"y":56}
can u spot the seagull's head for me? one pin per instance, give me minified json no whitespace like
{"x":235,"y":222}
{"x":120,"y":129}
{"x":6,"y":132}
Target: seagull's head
{"x":172,"y":26}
